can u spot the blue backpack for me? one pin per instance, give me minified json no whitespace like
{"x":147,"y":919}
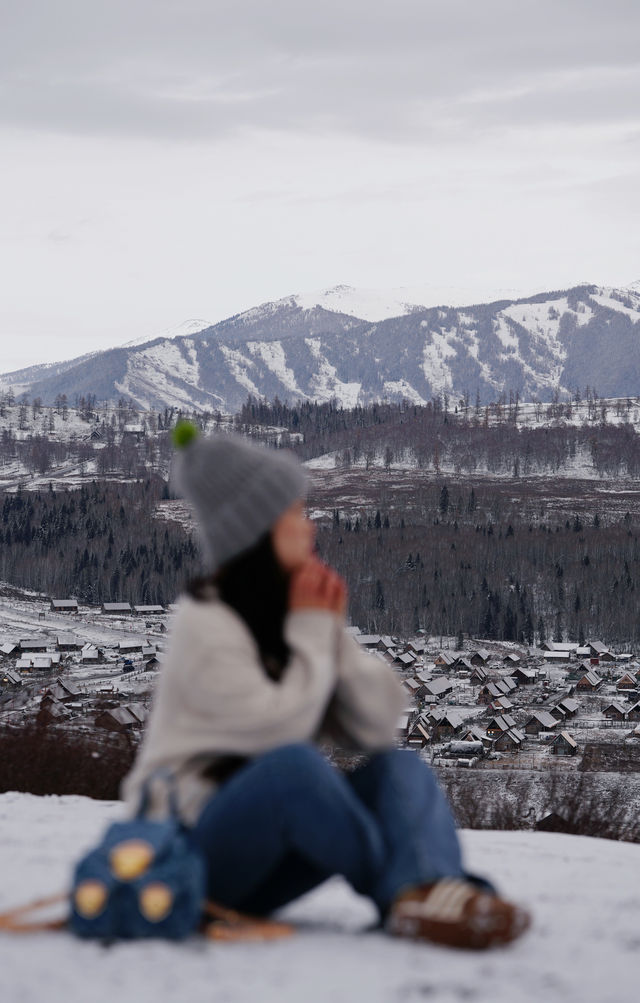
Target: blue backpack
{"x":144,"y":879}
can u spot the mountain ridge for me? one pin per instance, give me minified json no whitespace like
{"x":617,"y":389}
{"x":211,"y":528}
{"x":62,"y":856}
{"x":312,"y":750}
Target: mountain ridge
{"x":536,"y":346}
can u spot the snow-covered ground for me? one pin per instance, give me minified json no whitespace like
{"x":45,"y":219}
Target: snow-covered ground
{"x":583,"y":946}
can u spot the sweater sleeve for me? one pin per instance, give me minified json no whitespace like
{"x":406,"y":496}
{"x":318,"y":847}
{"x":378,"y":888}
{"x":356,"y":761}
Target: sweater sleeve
{"x":368,"y":697}
{"x":247,"y":711}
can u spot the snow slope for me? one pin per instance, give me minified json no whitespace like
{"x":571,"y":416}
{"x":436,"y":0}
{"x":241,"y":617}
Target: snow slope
{"x":583,"y":947}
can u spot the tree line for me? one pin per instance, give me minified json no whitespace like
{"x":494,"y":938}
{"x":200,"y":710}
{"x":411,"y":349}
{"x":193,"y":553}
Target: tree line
{"x":464,"y":439}
{"x":99,"y":543}
{"x":461,"y":560}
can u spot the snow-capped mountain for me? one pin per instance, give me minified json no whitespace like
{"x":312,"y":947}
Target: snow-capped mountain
{"x":381,"y":304}
{"x":316,"y":347}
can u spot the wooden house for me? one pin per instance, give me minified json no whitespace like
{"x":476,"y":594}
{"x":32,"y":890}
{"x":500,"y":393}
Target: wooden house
{"x":11,"y":678}
{"x":90,"y":655}
{"x":133,"y":432}
{"x":496,"y":688}
{"x":479,"y":657}
{"x":556,"y":656}
{"x":116,"y":608}
{"x":524,"y":677}
{"x":564,"y":745}
{"x":540,"y":720}
{"x":444,"y":724}
{"x":589,"y":682}
{"x":511,"y":740}
{"x":51,"y":712}
{"x":64,"y":606}
{"x":67,"y":642}
{"x":122,"y":719}
{"x":148,"y":610}
{"x":63,"y":691}
{"x":569,"y":705}
{"x":29,"y":645}
{"x":414,"y":687}
{"x":439,"y":687}
{"x":473,"y":734}
{"x":44,"y":663}
{"x":615,"y":711}
{"x":502,"y":704}
{"x":626,"y":682}
{"x":444,"y":660}
{"x":490,"y":692}
{"x":418,"y":735}
{"x":600,"y":653}
{"x":8,"y":649}
{"x":405,"y":660}
{"x":417,"y":647}
{"x":512,"y":659}
{"x":464,"y":664}
{"x":499,"y":723}
{"x":479,"y":676}
{"x":130,"y":646}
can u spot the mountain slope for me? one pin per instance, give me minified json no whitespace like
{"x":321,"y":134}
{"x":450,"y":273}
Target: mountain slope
{"x":295,"y":349}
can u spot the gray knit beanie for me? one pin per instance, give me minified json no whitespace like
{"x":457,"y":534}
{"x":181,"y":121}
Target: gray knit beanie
{"x":238,"y":489}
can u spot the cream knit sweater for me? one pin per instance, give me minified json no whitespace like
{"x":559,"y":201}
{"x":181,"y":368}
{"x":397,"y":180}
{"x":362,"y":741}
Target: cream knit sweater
{"x":214,"y":697}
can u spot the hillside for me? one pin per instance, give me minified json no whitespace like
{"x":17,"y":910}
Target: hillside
{"x":298,"y":349}
{"x":582,"y":947}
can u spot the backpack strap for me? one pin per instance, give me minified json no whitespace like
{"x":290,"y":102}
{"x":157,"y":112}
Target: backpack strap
{"x":165,"y":775}
{"x":227,"y":924}
{"x":13,"y":922}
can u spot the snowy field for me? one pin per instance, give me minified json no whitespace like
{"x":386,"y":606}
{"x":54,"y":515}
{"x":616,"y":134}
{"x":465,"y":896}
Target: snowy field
{"x":584,"y":946}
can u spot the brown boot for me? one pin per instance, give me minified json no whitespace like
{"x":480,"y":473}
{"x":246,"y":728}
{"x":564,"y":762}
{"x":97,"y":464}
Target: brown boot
{"x":457,"y":913}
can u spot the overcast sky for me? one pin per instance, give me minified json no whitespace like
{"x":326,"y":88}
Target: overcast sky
{"x":163,"y":160}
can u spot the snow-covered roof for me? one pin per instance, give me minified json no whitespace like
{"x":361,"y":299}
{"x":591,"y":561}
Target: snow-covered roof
{"x":569,"y":704}
{"x":592,"y":678}
{"x":544,"y":718}
{"x":617,"y":706}
{"x":566,"y":737}
{"x":436,"y":687}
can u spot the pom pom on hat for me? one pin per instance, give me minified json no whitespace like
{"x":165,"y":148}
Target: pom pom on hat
{"x":184,"y":433}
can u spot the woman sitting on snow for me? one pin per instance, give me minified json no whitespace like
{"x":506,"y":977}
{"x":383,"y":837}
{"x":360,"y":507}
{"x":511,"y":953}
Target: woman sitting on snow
{"x":258,"y":671}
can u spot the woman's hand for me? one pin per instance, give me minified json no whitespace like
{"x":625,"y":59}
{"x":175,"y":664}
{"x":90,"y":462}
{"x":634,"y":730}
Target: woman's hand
{"x":316,"y":586}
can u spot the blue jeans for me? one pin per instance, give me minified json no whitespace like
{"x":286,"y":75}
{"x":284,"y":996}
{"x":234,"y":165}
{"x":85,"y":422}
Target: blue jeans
{"x":289,"y":820}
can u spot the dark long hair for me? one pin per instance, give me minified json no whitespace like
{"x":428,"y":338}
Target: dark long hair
{"x":257,"y":588}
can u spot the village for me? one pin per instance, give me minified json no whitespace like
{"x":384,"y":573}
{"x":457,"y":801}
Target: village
{"x":488,"y":705}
